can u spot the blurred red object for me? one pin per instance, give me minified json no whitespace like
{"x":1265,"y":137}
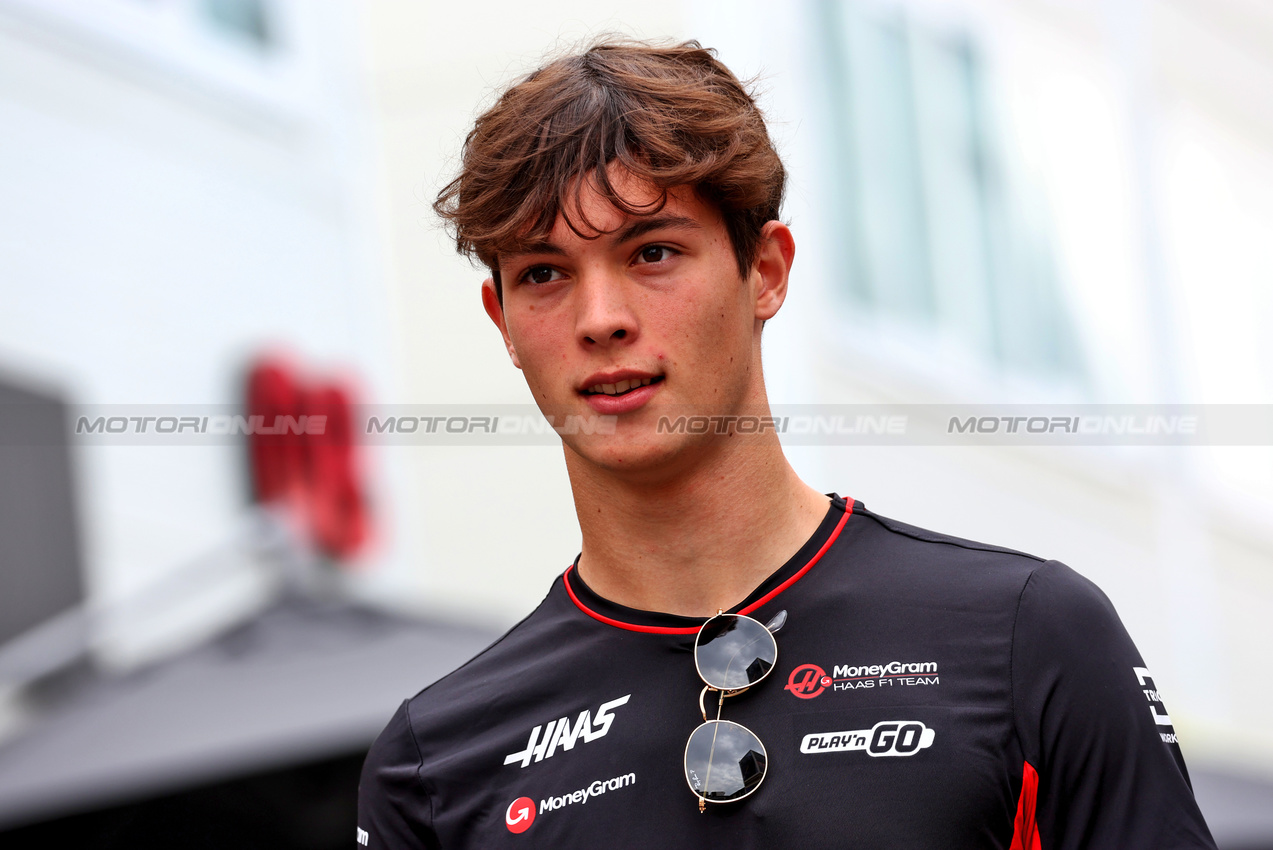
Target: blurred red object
{"x":302,"y":455}
{"x":276,"y":459}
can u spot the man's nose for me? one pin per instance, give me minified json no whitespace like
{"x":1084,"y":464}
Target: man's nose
{"x":605,"y":314}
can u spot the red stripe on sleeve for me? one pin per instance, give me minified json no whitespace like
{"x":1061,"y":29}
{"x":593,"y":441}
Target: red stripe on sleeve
{"x":1025,"y":836}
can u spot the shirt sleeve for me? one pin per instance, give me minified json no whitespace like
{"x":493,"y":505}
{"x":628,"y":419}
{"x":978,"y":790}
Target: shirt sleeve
{"x":393,"y":806}
{"x":1093,"y":727}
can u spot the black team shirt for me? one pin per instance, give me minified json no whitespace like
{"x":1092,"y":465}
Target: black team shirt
{"x":929,"y":692}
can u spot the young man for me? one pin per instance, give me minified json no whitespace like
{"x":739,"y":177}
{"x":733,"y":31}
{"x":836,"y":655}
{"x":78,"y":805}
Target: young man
{"x":927,"y":691}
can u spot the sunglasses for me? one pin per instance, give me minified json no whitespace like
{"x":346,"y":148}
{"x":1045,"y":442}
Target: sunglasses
{"x":725,"y":761}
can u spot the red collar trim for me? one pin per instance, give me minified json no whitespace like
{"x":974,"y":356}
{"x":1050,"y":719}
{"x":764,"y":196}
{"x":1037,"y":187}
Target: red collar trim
{"x":693,"y":630}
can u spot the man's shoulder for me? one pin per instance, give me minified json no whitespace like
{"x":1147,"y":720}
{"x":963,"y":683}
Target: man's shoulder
{"x":525,"y":669}
{"x":937,"y":553}
{"x":937,"y":566}
{"x":517,"y":648}
{"x":473,"y":695}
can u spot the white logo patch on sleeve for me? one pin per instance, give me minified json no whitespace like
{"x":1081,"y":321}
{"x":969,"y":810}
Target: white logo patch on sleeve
{"x":1156,"y":707}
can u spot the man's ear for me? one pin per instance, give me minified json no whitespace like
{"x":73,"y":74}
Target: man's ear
{"x":495,"y":310}
{"x":774,"y":255}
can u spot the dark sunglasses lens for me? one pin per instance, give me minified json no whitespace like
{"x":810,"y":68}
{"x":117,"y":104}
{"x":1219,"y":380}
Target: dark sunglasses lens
{"x":734,"y":652}
{"x":723,"y":761}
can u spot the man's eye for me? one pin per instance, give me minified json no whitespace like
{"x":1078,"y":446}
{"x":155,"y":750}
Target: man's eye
{"x":540,"y":274}
{"x":655,"y":253}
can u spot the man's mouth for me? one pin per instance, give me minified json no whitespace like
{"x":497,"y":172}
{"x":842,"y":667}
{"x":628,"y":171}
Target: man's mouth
{"x":621,"y":387}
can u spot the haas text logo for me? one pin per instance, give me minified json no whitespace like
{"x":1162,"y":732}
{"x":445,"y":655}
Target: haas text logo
{"x":563,"y":734}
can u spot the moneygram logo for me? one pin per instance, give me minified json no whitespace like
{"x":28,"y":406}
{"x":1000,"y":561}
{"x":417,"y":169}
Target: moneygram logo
{"x":564,"y":734}
{"x":520,"y":814}
{"x":807,"y":681}
{"x":886,"y":738}
{"x":893,"y":668}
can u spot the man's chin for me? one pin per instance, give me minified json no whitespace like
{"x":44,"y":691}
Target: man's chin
{"x":624,"y":456}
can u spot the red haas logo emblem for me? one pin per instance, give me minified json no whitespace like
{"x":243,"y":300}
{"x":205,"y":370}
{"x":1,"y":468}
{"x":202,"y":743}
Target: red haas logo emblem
{"x":520,"y":814}
{"x":808,"y":680}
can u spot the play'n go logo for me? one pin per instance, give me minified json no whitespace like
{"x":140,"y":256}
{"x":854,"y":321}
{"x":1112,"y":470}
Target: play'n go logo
{"x":886,"y":738}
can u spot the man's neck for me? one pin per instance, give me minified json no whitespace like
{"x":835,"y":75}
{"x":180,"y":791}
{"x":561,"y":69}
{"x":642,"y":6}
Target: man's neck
{"x":695,"y":543}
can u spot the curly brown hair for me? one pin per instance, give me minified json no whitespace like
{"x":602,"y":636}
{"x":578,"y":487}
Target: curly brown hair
{"x":671,"y":115}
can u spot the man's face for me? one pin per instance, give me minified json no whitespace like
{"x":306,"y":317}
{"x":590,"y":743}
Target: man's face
{"x":649,"y":320}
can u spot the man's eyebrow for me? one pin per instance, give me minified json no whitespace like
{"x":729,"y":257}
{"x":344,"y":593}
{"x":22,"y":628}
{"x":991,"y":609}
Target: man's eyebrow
{"x":634,"y":229}
{"x":534,"y":248}
{"x":646,"y":224}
